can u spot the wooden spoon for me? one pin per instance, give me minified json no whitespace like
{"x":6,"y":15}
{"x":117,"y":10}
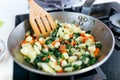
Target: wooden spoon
{"x":40,"y":20}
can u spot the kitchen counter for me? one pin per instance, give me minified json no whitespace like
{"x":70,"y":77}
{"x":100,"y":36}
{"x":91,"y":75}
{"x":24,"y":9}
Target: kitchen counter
{"x":8,"y":11}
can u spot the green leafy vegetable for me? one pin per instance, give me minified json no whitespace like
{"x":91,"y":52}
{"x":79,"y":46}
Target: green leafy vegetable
{"x":88,"y":31}
{"x":76,"y":67}
{"x":98,"y":45}
{"x":76,"y":35}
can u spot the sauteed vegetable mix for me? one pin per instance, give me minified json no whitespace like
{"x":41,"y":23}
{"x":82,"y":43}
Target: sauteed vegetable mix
{"x":67,"y":49}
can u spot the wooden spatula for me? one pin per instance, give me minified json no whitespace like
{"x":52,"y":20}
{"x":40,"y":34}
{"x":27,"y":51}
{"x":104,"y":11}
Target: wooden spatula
{"x":41,"y":21}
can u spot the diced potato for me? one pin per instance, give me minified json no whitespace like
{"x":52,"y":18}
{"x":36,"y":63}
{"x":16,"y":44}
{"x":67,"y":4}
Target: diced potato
{"x":57,"y":44}
{"x":72,"y":59}
{"x":82,"y":46}
{"x":77,"y":63}
{"x":38,"y":45}
{"x":81,"y":38}
{"x":66,"y":31}
{"x":36,"y":49}
{"x":78,"y":53}
{"x":41,"y":39}
{"x":82,"y":51}
{"x":45,"y":50}
{"x":86,"y":61}
{"x":55,"y":66}
{"x":51,"y":46}
{"x":27,"y":50}
{"x":58,"y":68}
{"x":60,"y":32}
{"x":68,"y":69}
{"x":28,"y":38}
{"x":87,"y":35}
{"x":73,"y":50}
{"x":39,"y":64}
{"x":53,"y":59}
{"x":87,"y":53}
{"x":66,"y":36}
{"x":52,"y":64}
{"x":89,"y":42}
{"x":92,"y":48}
{"x":92,"y":53}
{"x":77,"y":39}
{"x":63,"y":63}
{"x":65,"y":55}
{"x":47,"y":68}
{"x":82,"y":31}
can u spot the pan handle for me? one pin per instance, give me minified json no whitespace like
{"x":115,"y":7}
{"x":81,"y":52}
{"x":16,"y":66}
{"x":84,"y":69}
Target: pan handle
{"x":87,"y":7}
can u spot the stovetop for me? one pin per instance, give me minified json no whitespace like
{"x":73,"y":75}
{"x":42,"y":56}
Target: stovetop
{"x":110,"y":70}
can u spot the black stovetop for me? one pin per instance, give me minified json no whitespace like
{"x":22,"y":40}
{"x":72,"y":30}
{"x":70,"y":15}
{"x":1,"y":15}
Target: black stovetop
{"x":111,"y":67}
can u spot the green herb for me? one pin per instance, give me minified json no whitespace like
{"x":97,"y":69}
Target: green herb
{"x":91,"y":61}
{"x":53,"y":35}
{"x":76,"y":35}
{"x":88,"y":31}
{"x":59,"y":25}
{"x":76,"y":67}
{"x":57,"y":53}
{"x":49,"y":41}
{"x":40,"y":57}
{"x":84,"y":58}
{"x":98,"y":45}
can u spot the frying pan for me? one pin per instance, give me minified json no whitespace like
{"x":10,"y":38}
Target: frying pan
{"x":100,"y":31}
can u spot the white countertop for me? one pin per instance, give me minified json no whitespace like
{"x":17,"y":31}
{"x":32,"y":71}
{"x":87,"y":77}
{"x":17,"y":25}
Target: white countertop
{"x":8,"y":10}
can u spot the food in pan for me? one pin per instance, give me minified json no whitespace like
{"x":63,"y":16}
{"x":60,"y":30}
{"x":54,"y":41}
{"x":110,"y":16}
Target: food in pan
{"x":67,"y":49}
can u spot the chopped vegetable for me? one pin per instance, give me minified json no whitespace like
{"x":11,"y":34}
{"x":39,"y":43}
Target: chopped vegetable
{"x":67,"y":49}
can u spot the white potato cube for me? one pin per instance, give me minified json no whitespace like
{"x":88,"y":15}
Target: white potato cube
{"x":63,"y":63}
{"x":78,"y":53}
{"x":86,"y":61}
{"x":72,"y":59}
{"x":68,"y":69}
{"x":66,"y":36}
{"x":58,"y":68}
{"x":81,"y":45}
{"x":47,"y":68}
{"x":28,"y":50}
{"x":28,"y":38}
{"x":45,"y":50}
{"x":65,"y":55}
{"x":77,"y":63}
{"x":52,"y":64}
{"x":57,"y":44}
{"x":92,"y":48}
{"x":38,"y":45}
{"x":53,"y":59}
{"x":36,"y":49}
{"x":89,"y":42}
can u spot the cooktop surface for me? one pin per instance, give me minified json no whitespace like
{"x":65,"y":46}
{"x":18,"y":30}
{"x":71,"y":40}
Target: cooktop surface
{"x":110,"y":70}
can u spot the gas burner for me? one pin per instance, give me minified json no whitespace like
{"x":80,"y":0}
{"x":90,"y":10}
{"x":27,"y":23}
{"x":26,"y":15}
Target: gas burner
{"x":59,"y":4}
{"x":115,"y":20}
{"x":110,"y":15}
